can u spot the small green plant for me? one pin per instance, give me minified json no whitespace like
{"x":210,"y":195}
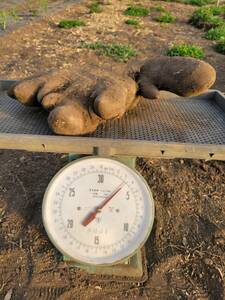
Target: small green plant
{"x":71,"y":23}
{"x":165,"y":18}
{"x":6,"y":16}
{"x":186,"y":50}
{"x":13,"y":13}
{"x":193,"y":2}
{"x":158,"y":8}
{"x":132,"y":22}
{"x":95,"y":7}
{"x":217,"y":33}
{"x":207,"y":17}
{"x":3,"y":19}
{"x":137,"y":11}
{"x":199,"y":2}
{"x":220,"y":46}
{"x":117,"y":51}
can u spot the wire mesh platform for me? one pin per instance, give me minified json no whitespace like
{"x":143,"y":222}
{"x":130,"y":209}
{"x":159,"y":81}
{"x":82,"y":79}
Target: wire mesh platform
{"x":180,"y":127}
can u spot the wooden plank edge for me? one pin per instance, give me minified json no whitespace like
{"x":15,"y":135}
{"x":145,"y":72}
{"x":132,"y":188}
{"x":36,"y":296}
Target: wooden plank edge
{"x":109,"y":147}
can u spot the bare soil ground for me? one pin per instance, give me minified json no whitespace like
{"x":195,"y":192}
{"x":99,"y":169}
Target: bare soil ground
{"x":186,"y":250}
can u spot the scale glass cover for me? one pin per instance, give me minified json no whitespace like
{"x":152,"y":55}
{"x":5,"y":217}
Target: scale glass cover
{"x":98,"y":211}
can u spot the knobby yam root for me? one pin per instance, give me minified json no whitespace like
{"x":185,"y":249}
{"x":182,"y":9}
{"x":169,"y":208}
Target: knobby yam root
{"x":183,"y":76}
{"x":78,"y":100}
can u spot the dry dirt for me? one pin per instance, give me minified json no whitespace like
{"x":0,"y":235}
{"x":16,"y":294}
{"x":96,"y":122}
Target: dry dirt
{"x":186,"y":250}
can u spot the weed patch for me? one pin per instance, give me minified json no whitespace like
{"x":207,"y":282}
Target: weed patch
{"x":95,"y":8}
{"x":208,"y":17}
{"x":217,"y":33}
{"x":199,"y":2}
{"x":220,"y":47}
{"x":158,"y":8}
{"x":7,"y":16}
{"x":137,"y":11}
{"x":186,"y":50}
{"x":117,"y":51}
{"x":165,"y":18}
{"x":193,"y":2}
{"x":71,"y":23}
{"x":132,"y":22}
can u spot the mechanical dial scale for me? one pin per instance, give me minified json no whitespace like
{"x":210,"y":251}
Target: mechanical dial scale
{"x":98,"y":212}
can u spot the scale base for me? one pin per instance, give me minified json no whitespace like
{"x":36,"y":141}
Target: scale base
{"x":132,"y":267}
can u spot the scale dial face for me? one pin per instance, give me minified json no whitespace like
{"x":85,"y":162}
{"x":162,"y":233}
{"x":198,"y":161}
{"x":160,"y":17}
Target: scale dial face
{"x":98,"y":211}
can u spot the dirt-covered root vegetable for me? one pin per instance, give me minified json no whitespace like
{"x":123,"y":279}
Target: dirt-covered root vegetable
{"x":78,"y":99}
{"x":73,"y":118}
{"x":181,"y":75}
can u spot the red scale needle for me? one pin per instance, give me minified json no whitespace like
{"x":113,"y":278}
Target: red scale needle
{"x":92,"y":215}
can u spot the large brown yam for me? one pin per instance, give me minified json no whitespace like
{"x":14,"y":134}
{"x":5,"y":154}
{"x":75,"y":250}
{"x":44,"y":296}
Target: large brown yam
{"x":181,"y":75}
{"x":78,"y":99}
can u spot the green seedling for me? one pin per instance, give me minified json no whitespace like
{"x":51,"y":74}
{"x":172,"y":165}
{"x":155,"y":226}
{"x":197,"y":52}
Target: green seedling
{"x":193,"y":2}
{"x":186,"y":50}
{"x":132,"y":22}
{"x":13,"y":13}
{"x":3,"y":19}
{"x":208,"y":17}
{"x":199,"y":2}
{"x":137,"y":11}
{"x":71,"y":23}
{"x":158,"y":8}
{"x":115,"y":50}
{"x":165,"y":18}
{"x":6,"y":16}
{"x":220,"y":47}
{"x":95,"y":8}
{"x":217,"y":33}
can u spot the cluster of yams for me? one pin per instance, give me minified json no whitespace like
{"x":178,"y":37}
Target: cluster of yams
{"x":78,"y":100}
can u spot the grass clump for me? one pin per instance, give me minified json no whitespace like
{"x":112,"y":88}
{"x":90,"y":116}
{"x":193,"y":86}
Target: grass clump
{"x":193,"y":2}
{"x":186,"y":50}
{"x":165,"y":18}
{"x":136,"y":11}
{"x":71,"y":23}
{"x":211,"y":18}
{"x":220,"y":46}
{"x":132,"y":22}
{"x":3,"y":19}
{"x":116,"y":50}
{"x":7,"y":16}
{"x":208,"y":17}
{"x":199,"y":2}
{"x":217,"y":33}
{"x":160,"y":14}
{"x":95,"y":8}
{"x":159,"y":8}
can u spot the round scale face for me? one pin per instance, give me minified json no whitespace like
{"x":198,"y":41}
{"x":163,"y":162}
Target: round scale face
{"x":98,"y":211}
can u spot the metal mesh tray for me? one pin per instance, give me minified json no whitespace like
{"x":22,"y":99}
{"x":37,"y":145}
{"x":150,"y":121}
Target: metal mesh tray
{"x":180,"y":127}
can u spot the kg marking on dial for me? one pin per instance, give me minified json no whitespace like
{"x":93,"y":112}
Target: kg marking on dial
{"x":106,"y":208}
